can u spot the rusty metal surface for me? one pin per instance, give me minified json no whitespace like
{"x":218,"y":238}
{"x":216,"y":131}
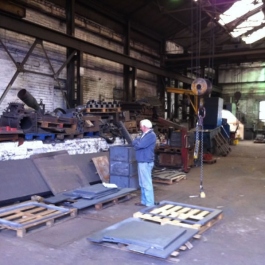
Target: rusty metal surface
{"x":102,"y":166}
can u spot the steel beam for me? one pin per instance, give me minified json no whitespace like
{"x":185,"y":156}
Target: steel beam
{"x":13,"y":9}
{"x":260,"y":52}
{"x":20,"y":68}
{"x":31,"y":29}
{"x":70,"y":67}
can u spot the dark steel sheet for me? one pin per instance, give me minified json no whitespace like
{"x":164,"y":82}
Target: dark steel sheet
{"x":165,"y":253}
{"x":141,"y":245}
{"x":86,"y":165}
{"x":57,"y":198}
{"x":20,"y":178}
{"x":83,"y":203}
{"x":137,"y":232}
{"x":92,"y":192}
{"x":58,"y":173}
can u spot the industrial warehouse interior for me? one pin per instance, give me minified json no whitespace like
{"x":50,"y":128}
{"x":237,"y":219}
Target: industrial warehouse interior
{"x":80,"y":82}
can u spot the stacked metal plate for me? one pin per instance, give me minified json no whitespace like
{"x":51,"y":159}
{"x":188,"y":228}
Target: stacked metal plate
{"x":92,"y":192}
{"x":87,"y":196}
{"x":145,"y":237}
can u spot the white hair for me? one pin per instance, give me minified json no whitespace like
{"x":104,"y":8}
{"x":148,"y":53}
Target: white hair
{"x":146,"y":123}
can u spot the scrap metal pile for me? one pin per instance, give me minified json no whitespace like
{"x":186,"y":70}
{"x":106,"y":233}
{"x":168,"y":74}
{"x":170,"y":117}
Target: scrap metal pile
{"x":94,"y":118}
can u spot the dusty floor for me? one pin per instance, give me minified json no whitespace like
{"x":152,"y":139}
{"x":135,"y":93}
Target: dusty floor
{"x":235,"y":184}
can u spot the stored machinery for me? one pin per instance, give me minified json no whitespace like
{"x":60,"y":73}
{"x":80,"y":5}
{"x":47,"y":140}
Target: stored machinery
{"x":94,"y":117}
{"x":178,"y":151}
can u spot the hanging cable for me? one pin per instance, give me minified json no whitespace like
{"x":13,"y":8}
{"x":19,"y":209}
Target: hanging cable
{"x":211,"y":24}
{"x":198,"y":85}
{"x":198,"y":41}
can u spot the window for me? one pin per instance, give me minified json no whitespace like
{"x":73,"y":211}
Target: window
{"x":262,"y":110}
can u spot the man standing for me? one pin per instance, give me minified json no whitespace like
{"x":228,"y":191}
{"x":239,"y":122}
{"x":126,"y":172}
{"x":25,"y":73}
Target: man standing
{"x":144,"y":147}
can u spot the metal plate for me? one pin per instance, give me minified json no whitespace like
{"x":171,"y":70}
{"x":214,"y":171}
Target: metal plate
{"x":84,"y":162}
{"x":83,"y":203}
{"x":151,"y":230}
{"x":133,"y":231}
{"x":58,"y":173}
{"x":102,"y":165}
{"x":15,"y":178}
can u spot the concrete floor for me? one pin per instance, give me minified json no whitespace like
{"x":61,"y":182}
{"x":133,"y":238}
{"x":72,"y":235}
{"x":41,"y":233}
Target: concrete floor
{"x":235,"y":184}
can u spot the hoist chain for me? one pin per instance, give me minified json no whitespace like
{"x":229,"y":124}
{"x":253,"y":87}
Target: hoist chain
{"x":199,"y":142}
{"x":201,"y":124}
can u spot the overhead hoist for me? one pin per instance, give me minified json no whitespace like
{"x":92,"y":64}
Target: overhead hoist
{"x":200,"y":87}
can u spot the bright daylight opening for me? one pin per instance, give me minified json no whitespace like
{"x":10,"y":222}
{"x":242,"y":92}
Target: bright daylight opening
{"x":240,"y":9}
{"x":262,"y":110}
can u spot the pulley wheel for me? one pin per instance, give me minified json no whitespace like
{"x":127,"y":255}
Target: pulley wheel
{"x":201,"y":86}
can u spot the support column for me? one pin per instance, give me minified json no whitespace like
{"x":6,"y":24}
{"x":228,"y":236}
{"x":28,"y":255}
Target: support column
{"x":126,"y":68}
{"x":80,"y":79}
{"x":134,"y":84}
{"x":70,"y":30}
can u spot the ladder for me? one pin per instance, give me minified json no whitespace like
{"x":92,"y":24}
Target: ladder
{"x":221,"y":144}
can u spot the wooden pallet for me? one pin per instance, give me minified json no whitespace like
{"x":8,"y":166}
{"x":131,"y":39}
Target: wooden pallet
{"x":58,"y":126}
{"x":181,"y":215}
{"x":168,"y":179}
{"x":116,"y":200}
{"x":8,"y":137}
{"x":102,"y":110}
{"x":64,"y":136}
{"x":30,"y":216}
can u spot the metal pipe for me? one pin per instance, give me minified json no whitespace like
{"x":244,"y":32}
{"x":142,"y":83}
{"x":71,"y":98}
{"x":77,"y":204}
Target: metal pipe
{"x":28,"y":99}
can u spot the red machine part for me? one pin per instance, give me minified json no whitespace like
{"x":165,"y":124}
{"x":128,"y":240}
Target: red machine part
{"x":184,"y":141}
